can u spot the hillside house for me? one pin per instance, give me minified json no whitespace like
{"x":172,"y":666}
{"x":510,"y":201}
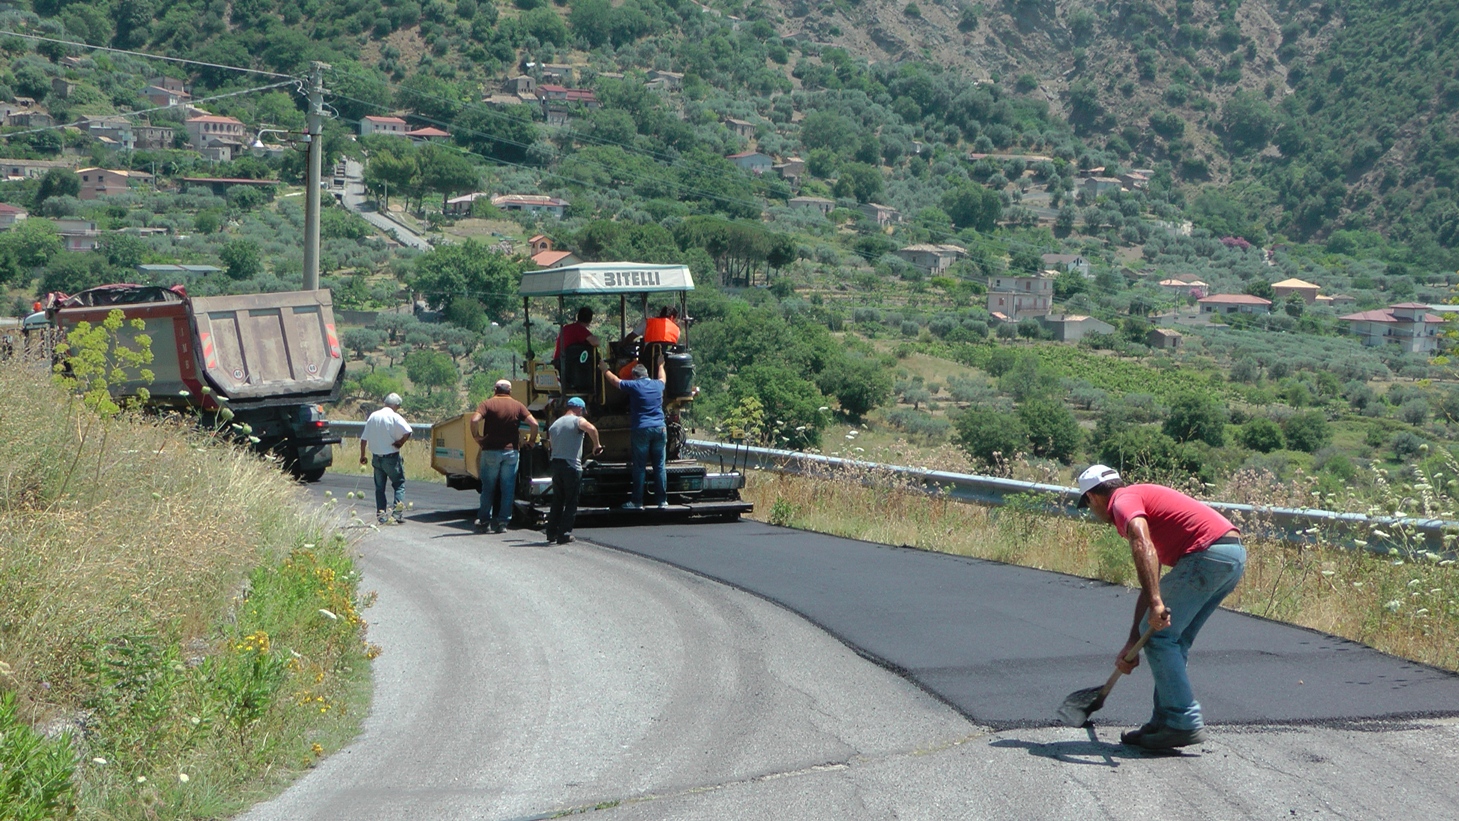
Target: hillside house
{"x":882,"y":215}
{"x":103,"y":182}
{"x":1342,"y":300}
{"x":1409,"y":325}
{"x":166,"y":92}
{"x":114,"y":132}
{"x":30,"y":119}
{"x":670,"y":80}
{"x":1093,"y":187}
{"x":1164,"y":338}
{"x":390,"y":126}
{"x":531,"y":203}
{"x":428,"y":134}
{"x":216,"y":138}
{"x":538,"y":244}
{"x":558,"y":102}
{"x":1287,"y":287}
{"x":30,"y":169}
{"x":1235,"y":304}
{"x":1068,"y":262}
{"x":743,"y":129}
{"x":1185,"y":287}
{"x":555,"y":259}
{"x":791,"y":170}
{"x":1137,"y":179}
{"x":152,"y":137}
{"x":78,"y":234}
{"x":931,"y":259}
{"x":751,"y":161}
{"x":1018,"y":296}
{"x":820,"y":204}
{"x":1073,"y":327}
{"x":521,"y":85}
{"x":461,"y":206}
{"x":10,"y":215}
{"x":557,"y":72}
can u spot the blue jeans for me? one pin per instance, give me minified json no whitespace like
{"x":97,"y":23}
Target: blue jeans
{"x":1193,"y":589}
{"x":389,"y":468}
{"x":648,"y":447}
{"x":498,"y":471}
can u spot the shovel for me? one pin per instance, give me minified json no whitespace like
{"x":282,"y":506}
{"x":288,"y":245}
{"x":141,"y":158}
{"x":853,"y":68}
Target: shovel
{"x":1080,"y":703}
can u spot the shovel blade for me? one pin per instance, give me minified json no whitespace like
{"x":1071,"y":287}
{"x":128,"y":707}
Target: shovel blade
{"x":1075,"y":710}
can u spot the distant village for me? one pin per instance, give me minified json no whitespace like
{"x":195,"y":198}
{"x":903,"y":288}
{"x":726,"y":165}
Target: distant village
{"x":1010,"y":298}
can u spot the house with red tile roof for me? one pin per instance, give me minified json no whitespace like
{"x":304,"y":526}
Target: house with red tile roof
{"x":1409,"y":325}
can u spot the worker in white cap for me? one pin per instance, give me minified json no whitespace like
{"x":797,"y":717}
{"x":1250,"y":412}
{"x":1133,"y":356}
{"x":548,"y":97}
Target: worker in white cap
{"x":386,"y":431}
{"x":1206,"y":559}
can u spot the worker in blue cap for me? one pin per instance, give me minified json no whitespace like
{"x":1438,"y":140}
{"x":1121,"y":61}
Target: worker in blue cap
{"x":566,"y":436}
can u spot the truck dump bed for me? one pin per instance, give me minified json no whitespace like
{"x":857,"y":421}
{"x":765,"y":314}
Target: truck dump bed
{"x":268,"y":345}
{"x":256,"y":349}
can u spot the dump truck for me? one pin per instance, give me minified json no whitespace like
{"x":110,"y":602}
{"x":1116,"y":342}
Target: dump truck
{"x":270,"y":360}
{"x":695,"y":491}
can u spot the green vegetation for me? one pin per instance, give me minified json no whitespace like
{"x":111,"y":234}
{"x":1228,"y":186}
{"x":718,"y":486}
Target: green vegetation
{"x":166,"y":608}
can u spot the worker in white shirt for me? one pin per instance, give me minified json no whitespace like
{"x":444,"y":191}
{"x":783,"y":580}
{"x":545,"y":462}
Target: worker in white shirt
{"x":385,"y":432}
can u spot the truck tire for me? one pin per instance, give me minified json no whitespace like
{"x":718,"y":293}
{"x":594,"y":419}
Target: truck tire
{"x":311,"y":475}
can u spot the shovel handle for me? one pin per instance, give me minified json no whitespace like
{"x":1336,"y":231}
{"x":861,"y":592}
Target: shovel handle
{"x":1130,"y":656}
{"x":1144,"y":637}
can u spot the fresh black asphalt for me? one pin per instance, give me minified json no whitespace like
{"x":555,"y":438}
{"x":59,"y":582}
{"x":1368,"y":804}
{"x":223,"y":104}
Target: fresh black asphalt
{"x":1006,"y":644}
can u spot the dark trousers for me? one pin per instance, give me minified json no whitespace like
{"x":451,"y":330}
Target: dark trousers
{"x":566,"y":482}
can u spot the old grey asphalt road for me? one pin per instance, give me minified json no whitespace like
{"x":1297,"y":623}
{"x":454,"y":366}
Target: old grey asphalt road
{"x":523,"y":681}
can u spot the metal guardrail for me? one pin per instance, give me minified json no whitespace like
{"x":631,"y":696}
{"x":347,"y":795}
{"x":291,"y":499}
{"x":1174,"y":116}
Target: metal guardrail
{"x":354,"y":429}
{"x":1298,"y":525}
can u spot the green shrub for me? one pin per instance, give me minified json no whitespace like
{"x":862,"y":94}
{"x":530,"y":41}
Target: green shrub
{"x":35,"y":773}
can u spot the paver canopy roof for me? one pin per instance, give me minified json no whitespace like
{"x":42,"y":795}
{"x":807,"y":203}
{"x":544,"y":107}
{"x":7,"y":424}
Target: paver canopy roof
{"x":606,"y":278}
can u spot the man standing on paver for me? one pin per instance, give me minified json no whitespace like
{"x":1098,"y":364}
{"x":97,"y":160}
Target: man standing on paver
{"x":498,"y":420}
{"x":648,"y":435}
{"x":566,"y":436}
{"x":384,"y":434}
{"x":1203,"y":550}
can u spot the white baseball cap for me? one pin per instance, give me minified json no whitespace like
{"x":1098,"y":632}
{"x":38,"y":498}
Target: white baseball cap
{"x":1092,"y":477}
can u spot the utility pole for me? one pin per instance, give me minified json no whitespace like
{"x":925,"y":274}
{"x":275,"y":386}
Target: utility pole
{"x":314,"y":177}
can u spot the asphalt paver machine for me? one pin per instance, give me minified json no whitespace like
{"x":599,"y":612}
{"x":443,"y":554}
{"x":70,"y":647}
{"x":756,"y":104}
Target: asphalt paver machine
{"x":695,"y":491}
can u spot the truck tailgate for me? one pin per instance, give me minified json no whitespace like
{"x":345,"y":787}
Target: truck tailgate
{"x":268,"y":345}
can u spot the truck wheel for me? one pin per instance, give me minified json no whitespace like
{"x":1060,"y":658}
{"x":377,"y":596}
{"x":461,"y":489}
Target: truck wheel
{"x":311,"y":475}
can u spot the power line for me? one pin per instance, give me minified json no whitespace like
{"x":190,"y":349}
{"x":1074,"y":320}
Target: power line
{"x":125,"y":114}
{"x":142,"y":54}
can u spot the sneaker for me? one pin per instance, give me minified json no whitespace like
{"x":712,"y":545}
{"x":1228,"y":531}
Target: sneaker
{"x":631,"y":506}
{"x":1132,"y":737}
{"x":550,"y":537}
{"x":498,"y":527}
{"x":663,"y":506}
{"x":382,"y":517}
{"x":1168,"y":738}
{"x":399,"y":513}
{"x":568,"y":539}
{"x":480,"y":525}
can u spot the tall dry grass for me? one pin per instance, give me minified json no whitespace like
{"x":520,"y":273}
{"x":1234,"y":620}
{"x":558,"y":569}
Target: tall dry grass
{"x":124,"y":524}
{"x":1406,"y":604}
{"x":160,"y":600}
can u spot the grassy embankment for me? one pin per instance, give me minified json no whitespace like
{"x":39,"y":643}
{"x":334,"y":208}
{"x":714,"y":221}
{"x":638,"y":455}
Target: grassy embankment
{"x":177,"y":636}
{"x":1407,"y":605}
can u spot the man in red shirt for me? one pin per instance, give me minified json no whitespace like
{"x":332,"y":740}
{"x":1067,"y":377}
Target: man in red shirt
{"x":1203,"y":550}
{"x":576,"y":332}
